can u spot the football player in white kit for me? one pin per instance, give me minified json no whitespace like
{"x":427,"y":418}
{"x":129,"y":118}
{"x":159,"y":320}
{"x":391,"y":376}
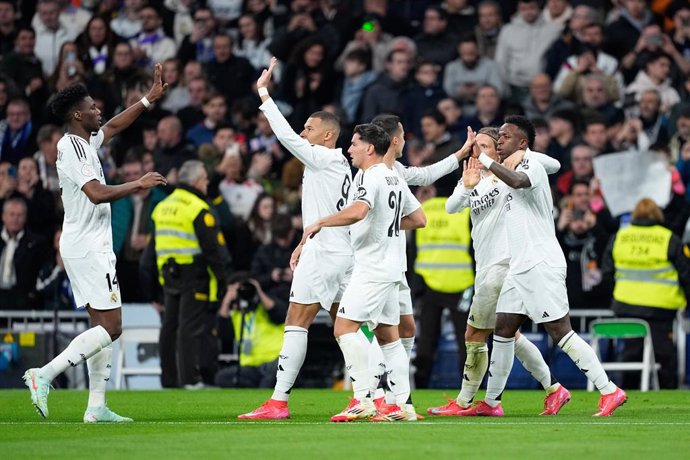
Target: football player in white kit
{"x":486,"y":196}
{"x":535,"y":285}
{"x":382,"y":205}
{"x":323,"y":272}
{"x":86,"y":244}
{"x":426,"y":175}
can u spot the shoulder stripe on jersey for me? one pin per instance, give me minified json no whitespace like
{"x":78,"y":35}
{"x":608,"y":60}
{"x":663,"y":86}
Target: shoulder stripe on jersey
{"x":81,"y":154}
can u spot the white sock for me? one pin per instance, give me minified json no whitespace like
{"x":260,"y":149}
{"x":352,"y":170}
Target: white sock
{"x":80,"y":349}
{"x":377,"y":368}
{"x":398,"y":368}
{"x":99,"y":373}
{"x":476,"y":363}
{"x":355,"y":348}
{"x":531,"y":358}
{"x":502,"y":357}
{"x":290,"y":361}
{"x":407,"y":343}
{"x":586,"y":360}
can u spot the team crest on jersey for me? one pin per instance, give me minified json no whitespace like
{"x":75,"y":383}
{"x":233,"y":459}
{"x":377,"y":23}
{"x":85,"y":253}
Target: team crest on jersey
{"x":87,"y":170}
{"x":113,"y":297}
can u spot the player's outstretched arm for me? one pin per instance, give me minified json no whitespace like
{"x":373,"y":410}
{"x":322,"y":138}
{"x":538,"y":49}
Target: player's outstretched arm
{"x":121,"y":121}
{"x":513,"y":179}
{"x":415,"y":220}
{"x":99,"y":193}
{"x":348,"y":216}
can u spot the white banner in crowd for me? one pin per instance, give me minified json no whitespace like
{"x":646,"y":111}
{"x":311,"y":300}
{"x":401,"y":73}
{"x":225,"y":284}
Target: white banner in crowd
{"x":627,"y":177}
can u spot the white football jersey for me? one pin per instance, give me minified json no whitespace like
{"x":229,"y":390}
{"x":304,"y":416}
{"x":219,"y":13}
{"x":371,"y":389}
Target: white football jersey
{"x":488,"y":203}
{"x":325,"y":185}
{"x":529,"y":222}
{"x":378,"y":241}
{"x":86,"y":226}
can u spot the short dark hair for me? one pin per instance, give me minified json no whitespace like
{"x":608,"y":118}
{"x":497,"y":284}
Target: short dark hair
{"x":436,"y":115}
{"x":328,"y":118}
{"x":281,"y":225}
{"x":389,"y":122}
{"x":374,"y":135}
{"x":524,"y":125}
{"x":363,"y":56}
{"x":577,"y":181}
{"x":65,"y":102}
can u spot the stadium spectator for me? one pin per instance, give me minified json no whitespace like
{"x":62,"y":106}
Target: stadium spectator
{"x":119,"y":75}
{"x":271,"y":262}
{"x":650,"y":283}
{"x":387,"y":92}
{"x":172,"y":149}
{"x":682,"y":134}
{"x":542,"y":102}
{"x":647,"y":127}
{"x":51,"y":33}
{"x":97,"y":46}
{"x":372,"y":39}
{"x":22,"y":254}
{"x":17,"y":137}
{"x":177,"y":95}
{"x":215,"y":111}
{"x":461,"y":15}
{"x":581,"y":156}
{"x":225,"y":63}
{"x":424,"y":95}
{"x":127,"y":23}
{"x":436,"y":42}
{"x":623,"y":34}
{"x":198,"y":44}
{"x":522,"y":45}
{"x":152,"y":45}
{"x":357,"y":75}
{"x":570,"y":40}
{"x":8,"y":26}
{"x":442,"y":144}
{"x":595,"y":134}
{"x":489,"y":112}
{"x":251,"y":44}
{"x":463,"y":76}
{"x":563,"y":128}
{"x":193,"y":113}
{"x":46,"y":156}
{"x":655,"y":76}
{"x":489,"y":23}
{"x":41,"y":216}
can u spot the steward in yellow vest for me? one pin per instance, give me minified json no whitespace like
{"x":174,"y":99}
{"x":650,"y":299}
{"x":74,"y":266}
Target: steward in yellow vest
{"x":193,"y":262}
{"x":445,"y":265}
{"x":651,"y":272}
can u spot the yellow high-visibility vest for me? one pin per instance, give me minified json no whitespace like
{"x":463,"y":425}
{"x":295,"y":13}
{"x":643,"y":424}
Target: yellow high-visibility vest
{"x":175,"y":235}
{"x":443,"y":248}
{"x":261,"y":340}
{"x":644,"y":275}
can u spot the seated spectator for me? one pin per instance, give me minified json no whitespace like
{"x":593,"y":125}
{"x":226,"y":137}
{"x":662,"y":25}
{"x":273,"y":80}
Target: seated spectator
{"x":583,"y":243}
{"x":424,"y":94}
{"x":17,"y":137}
{"x":97,"y":46}
{"x":489,"y":23}
{"x":212,"y":153}
{"x":563,"y":128}
{"x":542,"y":102}
{"x":436,"y":42}
{"x":41,"y":215}
{"x":645,"y":129}
{"x":237,"y":190}
{"x":22,"y":254}
{"x":655,"y":76}
{"x":46,"y":156}
{"x":225,"y":63}
{"x":595,"y":97}
{"x":372,"y":39}
{"x":119,"y":76}
{"x":257,"y":321}
{"x":576,"y":68}
{"x":596,"y":134}
{"x":252,"y":45}
{"x":570,"y":40}
{"x":177,"y":94}
{"x":51,"y":33}
{"x":132,"y":227}
{"x":152,"y":45}
{"x":357,"y":76}
{"x":489,"y":112}
{"x":451,"y":110}
{"x":69,"y":70}
{"x":215,"y":112}
{"x":172,"y":150}
{"x":542,"y":136}
{"x":387,"y":92}
{"x":463,"y":76}
{"x":581,"y":168}
{"x":193,"y":113}
{"x":682,"y":134}
{"x":265,"y":141}
{"x":198,"y":44}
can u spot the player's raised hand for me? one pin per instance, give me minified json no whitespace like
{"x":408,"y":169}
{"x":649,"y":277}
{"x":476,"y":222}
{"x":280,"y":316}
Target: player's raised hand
{"x":466,"y":150}
{"x":265,"y":77}
{"x":158,"y":88}
{"x":514,"y":160}
{"x":470,"y":173}
{"x":152,"y":179}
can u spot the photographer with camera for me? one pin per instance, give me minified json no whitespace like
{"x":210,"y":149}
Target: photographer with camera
{"x":257,"y":320}
{"x":193,"y":265}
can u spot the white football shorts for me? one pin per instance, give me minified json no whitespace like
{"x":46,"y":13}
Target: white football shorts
{"x":404,"y":297}
{"x":488,"y":283}
{"x":320,"y":277}
{"x":538,"y":293}
{"x":371,"y":303}
{"x":94,"y":281}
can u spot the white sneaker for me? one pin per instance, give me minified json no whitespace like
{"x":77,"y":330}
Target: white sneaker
{"x":356,"y":410}
{"x":39,"y":388}
{"x":103,"y":414}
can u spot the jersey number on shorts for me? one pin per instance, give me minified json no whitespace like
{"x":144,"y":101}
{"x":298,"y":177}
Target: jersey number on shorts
{"x":112,"y":282}
{"x":394,"y":203}
{"x":344,"y":191}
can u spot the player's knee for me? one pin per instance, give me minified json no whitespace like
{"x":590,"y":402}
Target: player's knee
{"x":476,"y":335}
{"x":301,"y":315}
{"x":407,"y":328}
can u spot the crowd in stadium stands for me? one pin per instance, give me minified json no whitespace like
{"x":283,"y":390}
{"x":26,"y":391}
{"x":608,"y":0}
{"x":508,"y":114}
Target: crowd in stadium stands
{"x":594,"y":76}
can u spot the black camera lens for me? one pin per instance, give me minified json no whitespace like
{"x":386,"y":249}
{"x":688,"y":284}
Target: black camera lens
{"x":246,"y":291}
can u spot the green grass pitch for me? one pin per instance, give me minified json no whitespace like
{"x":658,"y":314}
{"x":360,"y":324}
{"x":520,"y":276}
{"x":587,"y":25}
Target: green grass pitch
{"x":203,"y":424}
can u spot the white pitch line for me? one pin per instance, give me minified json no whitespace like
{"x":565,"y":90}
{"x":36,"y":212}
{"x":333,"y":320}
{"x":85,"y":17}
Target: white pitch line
{"x":287,"y":423}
